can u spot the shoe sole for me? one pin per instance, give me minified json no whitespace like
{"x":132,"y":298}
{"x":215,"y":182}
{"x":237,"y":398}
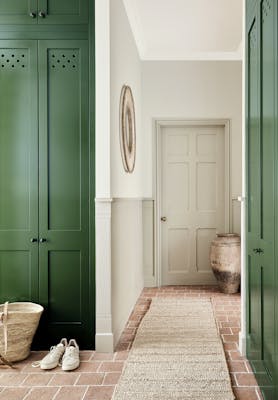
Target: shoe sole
{"x":70,"y":368}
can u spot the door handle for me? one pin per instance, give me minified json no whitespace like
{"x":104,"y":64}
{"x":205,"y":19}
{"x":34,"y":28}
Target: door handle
{"x":42,"y":240}
{"x":163,"y":219}
{"x":258,"y":251}
{"x":33,"y":14}
{"x":42,"y":14}
{"x":33,"y":240}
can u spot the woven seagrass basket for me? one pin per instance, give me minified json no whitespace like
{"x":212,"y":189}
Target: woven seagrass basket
{"x":18,"y":325}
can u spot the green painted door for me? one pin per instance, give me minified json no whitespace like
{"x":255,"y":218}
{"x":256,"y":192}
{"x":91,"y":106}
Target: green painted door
{"x":44,"y":184}
{"x":18,"y":12}
{"x":64,"y":190}
{"x":63,"y":11}
{"x":261,"y":76}
{"x":18,"y":171}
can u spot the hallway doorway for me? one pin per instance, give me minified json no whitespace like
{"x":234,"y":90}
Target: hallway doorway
{"x":192,"y":197}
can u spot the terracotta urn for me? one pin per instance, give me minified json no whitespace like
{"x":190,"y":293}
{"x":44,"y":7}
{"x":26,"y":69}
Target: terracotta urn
{"x":225,"y":261}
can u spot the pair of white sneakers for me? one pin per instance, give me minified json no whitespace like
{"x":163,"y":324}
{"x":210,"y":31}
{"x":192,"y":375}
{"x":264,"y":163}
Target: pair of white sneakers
{"x":64,"y":353}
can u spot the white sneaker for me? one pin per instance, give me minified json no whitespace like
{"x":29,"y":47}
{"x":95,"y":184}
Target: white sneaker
{"x":52,"y":359}
{"x":71,"y":359}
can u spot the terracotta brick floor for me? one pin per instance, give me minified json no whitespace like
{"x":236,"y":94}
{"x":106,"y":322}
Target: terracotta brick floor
{"x":98,"y":373}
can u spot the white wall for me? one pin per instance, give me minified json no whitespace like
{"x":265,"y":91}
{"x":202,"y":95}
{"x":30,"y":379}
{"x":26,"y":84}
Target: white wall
{"x":193,"y":90}
{"x":127,"y":189}
{"x":102,"y":50}
{"x":127,"y":261}
{"x":125,"y":69}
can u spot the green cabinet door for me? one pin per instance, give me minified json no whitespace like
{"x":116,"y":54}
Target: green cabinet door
{"x":18,"y":12}
{"x":18,"y":171}
{"x":65,"y":277}
{"x":261,"y":79}
{"x":254,"y":200}
{"x":63,"y":11}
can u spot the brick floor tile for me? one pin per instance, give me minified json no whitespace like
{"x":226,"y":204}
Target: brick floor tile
{"x":230,"y":338}
{"x":86,"y":355}
{"x":235,"y":355}
{"x":88,"y":378}
{"x":116,"y":366}
{"x":225,"y":331}
{"x":12,"y":379}
{"x":112,"y":378}
{"x":71,"y":393}
{"x":43,"y":393}
{"x":237,"y":366}
{"x":245,"y":394}
{"x":13,"y":393}
{"x":246,"y":379}
{"x":63,"y":379}
{"x":122,"y":346}
{"x":38,"y":379}
{"x":103,"y":356}
{"x":99,"y":393}
{"x":230,"y":346}
{"x":89,"y":366}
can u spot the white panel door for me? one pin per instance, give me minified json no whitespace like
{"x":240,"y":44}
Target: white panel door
{"x":192,"y":201}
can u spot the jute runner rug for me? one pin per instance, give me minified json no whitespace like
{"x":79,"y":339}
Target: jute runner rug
{"x":177,"y":354}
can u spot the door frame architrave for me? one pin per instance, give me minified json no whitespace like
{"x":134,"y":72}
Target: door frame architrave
{"x":158,"y":124}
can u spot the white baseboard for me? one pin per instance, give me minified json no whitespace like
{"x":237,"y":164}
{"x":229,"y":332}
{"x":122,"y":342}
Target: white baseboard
{"x":242,"y":344}
{"x":105,"y":342}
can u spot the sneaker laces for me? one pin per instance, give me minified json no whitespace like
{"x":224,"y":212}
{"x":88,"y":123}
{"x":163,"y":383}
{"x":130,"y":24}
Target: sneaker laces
{"x":37,"y":364}
{"x":70,"y":351}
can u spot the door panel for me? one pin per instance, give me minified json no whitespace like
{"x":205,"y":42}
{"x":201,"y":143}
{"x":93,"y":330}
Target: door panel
{"x":18,"y":171}
{"x":254,"y":193}
{"x":267,"y":181}
{"x":18,"y":11}
{"x":261,"y":76}
{"x":64,"y":189}
{"x":193,"y":201}
{"x":63,"y":11}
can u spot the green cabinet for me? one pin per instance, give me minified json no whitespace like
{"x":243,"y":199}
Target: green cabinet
{"x":18,"y":170}
{"x":18,"y":11}
{"x":46,"y":212}
{"x":261,"y":80}
{"x":44,"y":12}
{"x":44,"y":181}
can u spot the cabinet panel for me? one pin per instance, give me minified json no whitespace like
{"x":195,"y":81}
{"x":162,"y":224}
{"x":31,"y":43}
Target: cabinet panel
{"x":18,"y":11}
{"x":62,"y":11}
{"x":261,"y":153}
{"x":267,"y":181}
{"x":64,"y":189}
{"x":18,"y":170}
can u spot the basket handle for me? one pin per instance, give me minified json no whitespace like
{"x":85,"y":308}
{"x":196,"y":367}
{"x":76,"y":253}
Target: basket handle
{"x":3,"y":319}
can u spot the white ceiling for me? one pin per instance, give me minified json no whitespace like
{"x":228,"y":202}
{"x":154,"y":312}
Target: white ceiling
{"x":186,"y":29}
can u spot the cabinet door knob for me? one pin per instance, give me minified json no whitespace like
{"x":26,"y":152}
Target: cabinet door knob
{"x":33,"y":240}
{"x":42,"y":14}
{"x":33,"y":14}
{"x":163,"y":219}
{"x":42,"y":240}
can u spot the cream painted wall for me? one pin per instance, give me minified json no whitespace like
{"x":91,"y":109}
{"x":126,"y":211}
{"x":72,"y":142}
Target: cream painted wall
{"x":126,"y":189}
{"x":193,"y":90}
{"x":125,"y":68}
{"x":127,"y":260}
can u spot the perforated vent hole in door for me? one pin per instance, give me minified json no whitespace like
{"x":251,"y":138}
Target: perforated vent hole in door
{"x":13,"y":59}
{"x":64,"y":59}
